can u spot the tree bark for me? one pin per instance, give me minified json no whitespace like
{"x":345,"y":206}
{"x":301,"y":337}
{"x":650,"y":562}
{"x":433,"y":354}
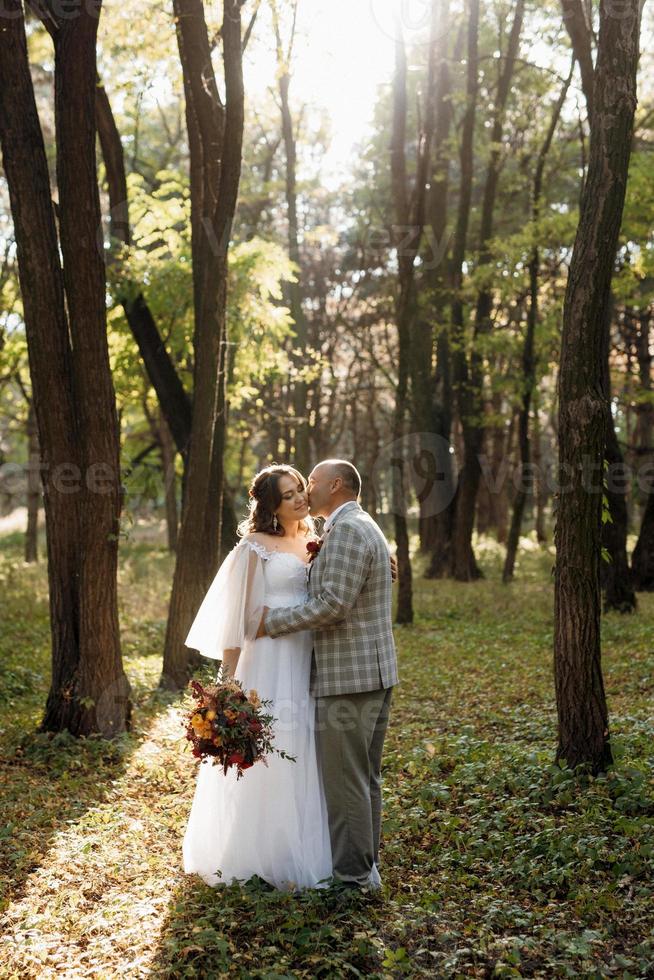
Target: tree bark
{"x":33,"y":489}
{"x":167,"y":447}
{"x":69,"y":365}
{"x":583,"y":735}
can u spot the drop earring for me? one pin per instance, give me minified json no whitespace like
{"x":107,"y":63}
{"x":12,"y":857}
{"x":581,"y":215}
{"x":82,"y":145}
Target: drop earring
{"x":274,"y":522}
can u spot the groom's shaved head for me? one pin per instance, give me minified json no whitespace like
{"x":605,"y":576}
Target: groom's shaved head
{"x":341,"y":468}
{"x":325,"y":493}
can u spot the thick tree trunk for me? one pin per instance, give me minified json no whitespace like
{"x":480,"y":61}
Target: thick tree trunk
{"x":526,"y":482}
{"x":581,"y":703}
{"x":101,"y":678}
{"x":33,"y":488}
{"x":216,"y":133}
{"x":69,"y":365}
{"x":48,"y":344}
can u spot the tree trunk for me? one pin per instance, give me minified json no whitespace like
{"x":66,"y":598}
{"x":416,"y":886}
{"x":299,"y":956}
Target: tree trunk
{"x":69,"y":365}
{"x":540,"y":487}
{"x":170,"y":480}
{"x":577,"y":22}
{"x":430,"y":369}
{"x":409,"y":224}
{"x":581,"y":704}
{"x":404,"y":313}
{"x":615,"y":574}
{"x":464,"y":567}
{"x":642,"y":559}
{"x":526,"y":483}
{"x":33,"y":489}
{"x":462,"y":560}
{"x":301,"y":445}
{"x":216,"y":133}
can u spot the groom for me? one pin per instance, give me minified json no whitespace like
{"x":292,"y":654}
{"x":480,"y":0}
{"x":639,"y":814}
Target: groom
{"x":354,"y":666}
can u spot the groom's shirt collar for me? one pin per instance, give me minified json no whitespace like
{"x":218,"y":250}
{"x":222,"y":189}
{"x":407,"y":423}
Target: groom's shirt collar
{"x":332,"y":517}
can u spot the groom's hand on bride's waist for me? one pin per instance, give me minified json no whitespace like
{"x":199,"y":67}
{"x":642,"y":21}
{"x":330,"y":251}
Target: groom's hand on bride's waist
{"x":262,"y":627}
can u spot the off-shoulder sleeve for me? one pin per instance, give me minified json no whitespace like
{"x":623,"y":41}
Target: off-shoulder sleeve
{"x":231,"y":610}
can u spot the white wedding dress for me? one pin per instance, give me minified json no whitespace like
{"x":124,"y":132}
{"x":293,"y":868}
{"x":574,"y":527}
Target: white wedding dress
{"x":273,"y":821}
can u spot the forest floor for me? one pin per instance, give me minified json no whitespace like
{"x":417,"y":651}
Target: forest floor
{"x":496,"y":863}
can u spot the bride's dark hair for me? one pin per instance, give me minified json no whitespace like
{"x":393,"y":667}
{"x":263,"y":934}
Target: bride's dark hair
{"x":265,"y":497}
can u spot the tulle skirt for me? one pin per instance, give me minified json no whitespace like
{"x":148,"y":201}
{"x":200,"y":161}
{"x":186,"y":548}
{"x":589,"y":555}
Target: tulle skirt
{"x":273,"y":821}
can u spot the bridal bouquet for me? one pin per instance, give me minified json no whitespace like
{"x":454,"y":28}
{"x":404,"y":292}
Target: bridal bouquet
{"x":229,"y":726}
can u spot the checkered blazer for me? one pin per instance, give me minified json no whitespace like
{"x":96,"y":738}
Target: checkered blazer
{"x":349,"y":609}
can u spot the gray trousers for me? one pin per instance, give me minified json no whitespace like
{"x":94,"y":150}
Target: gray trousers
{"x":351,"y":730}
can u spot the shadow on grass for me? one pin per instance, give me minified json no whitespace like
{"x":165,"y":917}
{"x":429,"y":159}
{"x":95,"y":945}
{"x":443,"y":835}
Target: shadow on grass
{"x":48,"y":782}
{"x":251,"y":930}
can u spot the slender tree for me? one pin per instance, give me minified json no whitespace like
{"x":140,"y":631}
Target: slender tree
{"x":464,"y":566}
{"x":409,"y":212}
{"x":528,"y":355}
{"x":642,"y":559}
{"x":460,"y":374}
{"x":615,"y":573}
{"x":33,"y":488}
{"x":301,"y":446}
{"x":430,"y":357}
{"x":583,"y":736}
{"x":215,"y":133}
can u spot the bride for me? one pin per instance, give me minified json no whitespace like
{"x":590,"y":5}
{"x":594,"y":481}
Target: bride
{"x":273,"y":821}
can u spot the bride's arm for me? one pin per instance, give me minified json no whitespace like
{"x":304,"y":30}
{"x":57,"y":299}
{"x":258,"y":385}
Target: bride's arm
{"x":230,"y":660}
{"x":231,"y":610}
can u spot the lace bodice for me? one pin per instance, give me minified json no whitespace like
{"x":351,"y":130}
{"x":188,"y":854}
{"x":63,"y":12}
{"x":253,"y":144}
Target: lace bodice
{"x":285,"y":576}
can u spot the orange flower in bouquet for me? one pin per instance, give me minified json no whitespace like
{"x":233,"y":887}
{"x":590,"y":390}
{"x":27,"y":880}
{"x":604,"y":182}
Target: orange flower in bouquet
{"x":230,"y":727}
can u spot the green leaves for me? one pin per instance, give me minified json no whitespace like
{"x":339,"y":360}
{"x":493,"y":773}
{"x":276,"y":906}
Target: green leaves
{"x":495,"y":861}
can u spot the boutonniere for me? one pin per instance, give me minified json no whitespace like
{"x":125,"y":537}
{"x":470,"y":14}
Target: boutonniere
{"x":313,"y":547}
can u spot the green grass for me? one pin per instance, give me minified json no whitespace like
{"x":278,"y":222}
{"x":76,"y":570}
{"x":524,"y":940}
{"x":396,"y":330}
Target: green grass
{"x":496,"y":863}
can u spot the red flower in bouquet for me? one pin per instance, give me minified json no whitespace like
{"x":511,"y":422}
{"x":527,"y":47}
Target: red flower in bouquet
{"x":313,"y":547}
{"x":230,"y":727}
